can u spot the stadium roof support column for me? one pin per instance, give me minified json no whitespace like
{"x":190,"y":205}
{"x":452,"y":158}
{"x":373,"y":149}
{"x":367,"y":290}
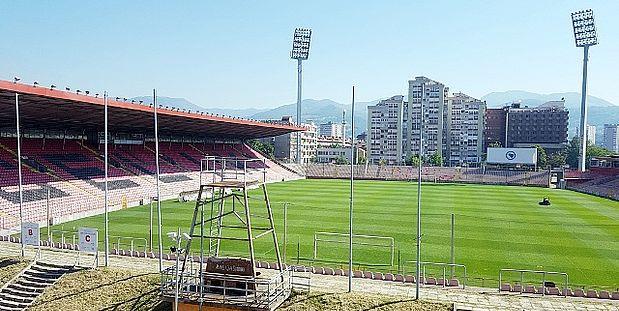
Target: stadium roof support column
{"x":352,"y":178}
{"x":19,"y":176}
{"x":106,"y":219}
{"x":158,"y":189}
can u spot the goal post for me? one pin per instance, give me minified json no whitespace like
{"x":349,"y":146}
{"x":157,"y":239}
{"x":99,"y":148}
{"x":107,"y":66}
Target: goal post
{"x":383,"y":247}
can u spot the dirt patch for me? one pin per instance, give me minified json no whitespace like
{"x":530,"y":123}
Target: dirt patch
{"x":10,"y":267}
{"x":358,"y":302}
{"x":103,"y":289}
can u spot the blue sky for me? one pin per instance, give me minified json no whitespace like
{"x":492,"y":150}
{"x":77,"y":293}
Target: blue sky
{"x":235,"y":54}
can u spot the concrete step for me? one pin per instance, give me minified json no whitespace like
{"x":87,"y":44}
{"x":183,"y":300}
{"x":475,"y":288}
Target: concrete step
{"x":24,"y":288}
{"x":53,"y":265}
{"x":27,"y":283}
{"x":17,"y":292}
{"x":45,"y":281}
{"x":43,"y":269}
{"x":14,"y":298}
{"x":43,"y":275}
{"x":15,"y":305}
{"x":5,"y":308}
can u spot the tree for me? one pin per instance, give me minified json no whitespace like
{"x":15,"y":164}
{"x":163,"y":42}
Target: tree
{"x":341,"y":160}
{"x":265,"y":148}
{"x":573,"y":150}
{"x":413,"y":160}
{"x":362,"y":159}
{"x":557,"y":159}
{"x":542,"y":158}
{"x":436,"y":159}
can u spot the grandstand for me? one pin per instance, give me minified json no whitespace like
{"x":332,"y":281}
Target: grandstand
{"x":430,"y":174}
{"x":62,"y":152}
{"x":602,"y":179}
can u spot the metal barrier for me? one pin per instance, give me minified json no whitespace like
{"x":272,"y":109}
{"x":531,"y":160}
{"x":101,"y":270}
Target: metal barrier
{"x":444,"y":266}
{"x":201,"y":287}
{"x":131,"y":242}
{"x":62,"y":234}
{"x":543,"y":273}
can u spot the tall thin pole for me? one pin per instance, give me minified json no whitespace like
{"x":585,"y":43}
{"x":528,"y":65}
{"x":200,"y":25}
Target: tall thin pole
{"x":352,"y":178}
{"x":19,"y":176}
{"x":160,"y":235}
{"x":583,"y":113}
{"x":285,"y":230}
{"x":49,"y":223}
{"x":106,"y":219}
{"x":418,"y":261}
{"x":453,"y":254}
{"x":299,"y":81}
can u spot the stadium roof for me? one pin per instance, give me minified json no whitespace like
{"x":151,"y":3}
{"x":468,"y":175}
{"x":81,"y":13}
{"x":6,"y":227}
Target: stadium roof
{"x":46,"y":108}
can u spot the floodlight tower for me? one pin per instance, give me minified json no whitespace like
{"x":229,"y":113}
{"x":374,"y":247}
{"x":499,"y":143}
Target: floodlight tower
{"x":300,"y":52}
{"x":585,"y":36}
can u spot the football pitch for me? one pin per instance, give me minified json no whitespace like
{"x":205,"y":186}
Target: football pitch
{"x":495,"y":227}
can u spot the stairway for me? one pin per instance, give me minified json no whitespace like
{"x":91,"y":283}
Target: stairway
{"x":22,"y":291}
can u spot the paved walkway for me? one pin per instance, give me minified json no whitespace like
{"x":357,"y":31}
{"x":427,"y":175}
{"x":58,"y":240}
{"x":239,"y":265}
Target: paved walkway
{"x":471,"y":298}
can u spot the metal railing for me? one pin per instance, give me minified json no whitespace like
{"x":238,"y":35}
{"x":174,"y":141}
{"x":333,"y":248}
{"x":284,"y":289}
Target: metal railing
{"x":133,"y":243}
{"x":444,"y":266}
{"x":214,"y":288}
{"x":231,"y":168}
{"x":543,"y":274}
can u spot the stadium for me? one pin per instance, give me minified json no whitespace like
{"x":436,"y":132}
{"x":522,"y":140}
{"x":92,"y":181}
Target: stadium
{"x":482,"y":227}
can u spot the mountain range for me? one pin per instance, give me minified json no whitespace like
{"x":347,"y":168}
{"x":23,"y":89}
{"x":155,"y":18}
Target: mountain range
{"x":325,"y":110}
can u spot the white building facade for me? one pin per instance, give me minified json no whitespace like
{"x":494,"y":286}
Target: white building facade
{"x":331,"y":129}
{"x":432,"y":97}
{"x":611,"y":137}
{"x":464,"y":130}
{"x":385,"y":131}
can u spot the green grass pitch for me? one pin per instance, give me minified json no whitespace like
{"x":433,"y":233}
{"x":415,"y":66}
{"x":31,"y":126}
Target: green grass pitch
{"x":496,"y":227}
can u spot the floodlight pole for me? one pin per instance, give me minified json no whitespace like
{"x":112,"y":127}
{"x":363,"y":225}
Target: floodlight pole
{"x":19,"y":175}
{"x":105,"y":194}
{"x":583,"y":113}
{"x":158,"y":190}
{"x":352,"y":178}
{"x":418,"y":261}
{"x":299,"y":82}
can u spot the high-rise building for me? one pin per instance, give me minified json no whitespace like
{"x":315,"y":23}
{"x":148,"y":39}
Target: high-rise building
{"x":285,"y":146}
{"x":432,"y":97}
{"x":494,"y":128}
{"x":611,"y":137}
{"x":385,"y":131}
{"x":331,"y":129}
{"x":464,"y":129}
{"x":545,"y":125}
{"x":591,"y":134}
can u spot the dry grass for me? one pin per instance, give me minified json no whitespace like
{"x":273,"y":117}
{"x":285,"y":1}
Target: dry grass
{"x":119,"y":289}
{"x":10,"y":267}
{"x":357,"y":302}
{"x":103,"y":289}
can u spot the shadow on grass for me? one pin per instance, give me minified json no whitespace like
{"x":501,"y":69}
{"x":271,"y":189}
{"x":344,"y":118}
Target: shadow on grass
{"x":138,"y":301}
{"x":147,"y":301}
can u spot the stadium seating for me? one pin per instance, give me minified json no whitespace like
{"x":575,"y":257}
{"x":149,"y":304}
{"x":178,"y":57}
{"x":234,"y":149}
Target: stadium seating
{"x":73,"y":174}
{"x":598,"y":181}
{"x":430,"y":174}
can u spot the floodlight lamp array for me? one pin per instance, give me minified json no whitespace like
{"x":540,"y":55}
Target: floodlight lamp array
{"x":301,"y":43}
{"x":583,"y":23}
